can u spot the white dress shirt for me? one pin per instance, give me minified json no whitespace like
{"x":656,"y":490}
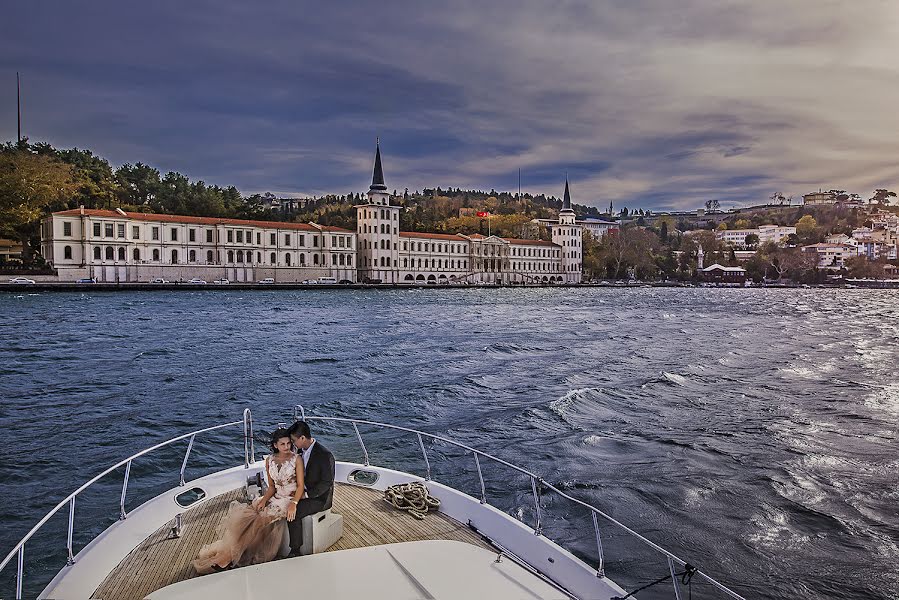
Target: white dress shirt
{"x":306,"y":453}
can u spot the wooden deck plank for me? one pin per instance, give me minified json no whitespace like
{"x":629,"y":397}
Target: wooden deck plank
{"x":368,"y":520}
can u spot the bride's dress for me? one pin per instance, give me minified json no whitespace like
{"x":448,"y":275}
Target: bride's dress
{"x":249,"y":537}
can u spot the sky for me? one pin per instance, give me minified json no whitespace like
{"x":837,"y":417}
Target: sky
{"x":648,"y":104}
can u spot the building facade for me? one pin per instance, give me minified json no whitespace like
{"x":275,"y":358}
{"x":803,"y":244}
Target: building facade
{"x":115,"y":246}
{"x":388,"y":255}
{"x":831,"y":256}
{"x":766,"y":233}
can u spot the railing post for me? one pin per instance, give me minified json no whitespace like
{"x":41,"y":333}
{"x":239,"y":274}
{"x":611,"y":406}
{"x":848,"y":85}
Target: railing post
{"x":20,"y":572}
{"x":361,"y":443}
{"x":477,"y":463}
{"x":71,"y":558}
{"x":122,"y":513}
{"x":673,"y":579}
{"x":600,"y":571}
{"x":190,"y":445}
{"x":249,"y":450}
{"x":299,"y":413}
{"x":425,"y":454}
{"x":538,"y":529}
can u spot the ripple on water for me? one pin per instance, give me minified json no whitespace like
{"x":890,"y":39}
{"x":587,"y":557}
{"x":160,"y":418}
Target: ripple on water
{"x":750,"y":430}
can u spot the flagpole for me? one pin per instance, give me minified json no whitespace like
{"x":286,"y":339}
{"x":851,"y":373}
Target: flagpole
{"x":18,"y":108}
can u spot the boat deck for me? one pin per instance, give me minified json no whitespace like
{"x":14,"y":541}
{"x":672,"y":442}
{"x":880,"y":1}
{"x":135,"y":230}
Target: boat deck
{"x":367,"y":521}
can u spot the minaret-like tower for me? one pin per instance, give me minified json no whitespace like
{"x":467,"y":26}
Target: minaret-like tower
{"x":378,"y":228}
{"x":569,"y":235}
{"x":700,"y":259}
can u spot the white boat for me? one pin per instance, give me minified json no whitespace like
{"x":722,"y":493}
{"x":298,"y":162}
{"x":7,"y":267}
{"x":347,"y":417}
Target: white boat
{"x":363,"y":547}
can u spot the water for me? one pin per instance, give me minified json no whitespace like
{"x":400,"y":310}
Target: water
{"x":752,"y":432}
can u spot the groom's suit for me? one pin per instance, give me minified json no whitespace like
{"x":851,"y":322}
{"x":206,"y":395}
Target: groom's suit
{"x":319,"y":480}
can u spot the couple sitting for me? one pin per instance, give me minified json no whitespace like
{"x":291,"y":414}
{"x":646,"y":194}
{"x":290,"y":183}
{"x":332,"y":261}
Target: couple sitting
{"x":300,"y":475}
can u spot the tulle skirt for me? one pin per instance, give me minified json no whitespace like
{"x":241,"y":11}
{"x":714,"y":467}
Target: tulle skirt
{"x":246,"y":537}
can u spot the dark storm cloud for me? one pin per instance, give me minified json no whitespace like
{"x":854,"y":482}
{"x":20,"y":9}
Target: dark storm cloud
{"x":646,"y":103}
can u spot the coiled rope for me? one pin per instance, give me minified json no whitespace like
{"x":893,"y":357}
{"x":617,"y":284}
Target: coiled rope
{"x":412,"y":497}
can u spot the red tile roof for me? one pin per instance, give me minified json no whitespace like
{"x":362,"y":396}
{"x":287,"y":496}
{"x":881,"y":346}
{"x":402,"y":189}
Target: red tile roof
{"x":93,"y":212}
{"x":434,"y":236}
{"x":530,"y":242}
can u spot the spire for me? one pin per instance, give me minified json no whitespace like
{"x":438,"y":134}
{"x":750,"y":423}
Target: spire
{"x":566,"y":201}
{"x":377,"y":178}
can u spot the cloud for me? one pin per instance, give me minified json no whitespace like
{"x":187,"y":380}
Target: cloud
{"x":646,"y":103}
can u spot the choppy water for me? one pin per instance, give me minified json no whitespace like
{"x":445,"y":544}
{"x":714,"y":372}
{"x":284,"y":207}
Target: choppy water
{"x":752,"y":432}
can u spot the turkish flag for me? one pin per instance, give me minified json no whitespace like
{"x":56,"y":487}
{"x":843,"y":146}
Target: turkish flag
{"x":484,"y":214}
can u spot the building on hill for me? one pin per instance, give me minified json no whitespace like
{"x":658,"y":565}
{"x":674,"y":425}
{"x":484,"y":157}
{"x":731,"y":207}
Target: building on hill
{"x":596,"y":227}
{"x":831,"y":256}
{"x":821,"y":198}
{"x":765,"y":233}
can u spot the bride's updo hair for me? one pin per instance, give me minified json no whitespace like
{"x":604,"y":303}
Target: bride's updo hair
{"x":277,"y":434}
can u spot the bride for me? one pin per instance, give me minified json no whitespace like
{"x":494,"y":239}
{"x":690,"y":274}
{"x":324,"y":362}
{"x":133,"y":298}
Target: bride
{"x":252,"y":534}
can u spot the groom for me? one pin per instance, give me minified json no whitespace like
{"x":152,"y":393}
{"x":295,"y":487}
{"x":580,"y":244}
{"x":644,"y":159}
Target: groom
{"x":319,"y":479}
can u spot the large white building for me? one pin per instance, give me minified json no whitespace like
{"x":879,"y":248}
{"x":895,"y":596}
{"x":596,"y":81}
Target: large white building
{"x":766,"y":233}
{"x":115,"y":246}
{"x":388,"y":255}
{"x":831,"y":256}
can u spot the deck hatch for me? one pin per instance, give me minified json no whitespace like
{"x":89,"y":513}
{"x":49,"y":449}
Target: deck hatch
{"x":362,"y":477}
{"x":190,"y":497}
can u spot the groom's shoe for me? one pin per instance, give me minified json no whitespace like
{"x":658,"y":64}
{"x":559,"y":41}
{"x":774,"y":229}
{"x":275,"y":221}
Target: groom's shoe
{"x":294,"y":554}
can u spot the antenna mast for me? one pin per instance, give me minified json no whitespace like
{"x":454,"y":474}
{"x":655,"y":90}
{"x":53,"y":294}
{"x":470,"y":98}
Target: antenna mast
{"x":18,"y":107}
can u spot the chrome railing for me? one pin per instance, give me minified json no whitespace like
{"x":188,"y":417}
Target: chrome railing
{"x":19,"y":549}
{"x":537,"y":483}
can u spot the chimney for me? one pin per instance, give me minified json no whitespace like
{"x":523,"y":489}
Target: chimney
{"x":81,"y":210}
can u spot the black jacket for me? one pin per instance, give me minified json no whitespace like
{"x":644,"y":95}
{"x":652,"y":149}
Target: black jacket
{"x":319,"y":475}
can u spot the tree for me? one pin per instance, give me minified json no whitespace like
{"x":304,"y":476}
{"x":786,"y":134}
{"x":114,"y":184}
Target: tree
{"x":30,"y":184}
{"x":663,"y":232}
{"x":138,"y":184}
{"x":712,"y":205}
{"x":593,"y":265}
{"x":752,"y":240}
{"x":860,"y":266}
{"x":882,"y":197}
{"x":807,"y":228}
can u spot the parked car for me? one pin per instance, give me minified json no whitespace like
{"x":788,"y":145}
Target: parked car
{"x":222,"y":281}
{"x":345,"y":282}
{"x":196,"y":281}
{"x":86,"y":280}
{"x":21,"y":280}
{"x":327,"y":280}
{"x":266,"y":281}
{"x":159,"y":280}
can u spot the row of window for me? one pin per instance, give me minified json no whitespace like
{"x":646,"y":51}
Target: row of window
{"x":117,"y":230}
{"x":373,"y":214}
{"x":423,"y":263}
{"x":233,"y":257}
{"x":538,"y":252}
{"x":384,"y":228}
